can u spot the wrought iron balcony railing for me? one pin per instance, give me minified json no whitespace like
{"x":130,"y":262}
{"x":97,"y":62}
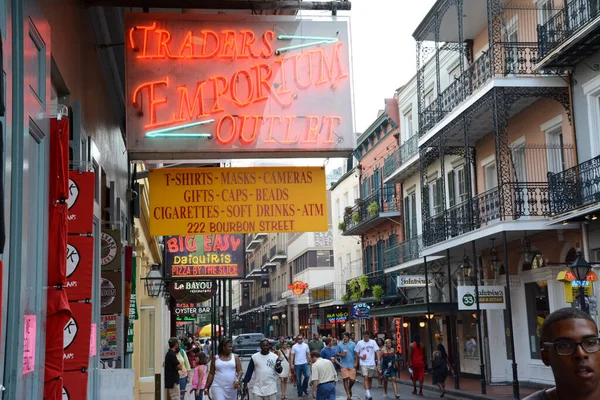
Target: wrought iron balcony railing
{"x":576,"y":15}
{"x":520,"y":199}
{"x":369,"y":208}
{"x":402,"y":252}
{"x":575,"y":187}
{"x":512,"y":58}
{"x":401,"y":156}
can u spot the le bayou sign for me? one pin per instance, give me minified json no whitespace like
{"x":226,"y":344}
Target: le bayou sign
{"x":235,"y":85}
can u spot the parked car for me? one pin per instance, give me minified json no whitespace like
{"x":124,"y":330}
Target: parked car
{"x":247,"y":343}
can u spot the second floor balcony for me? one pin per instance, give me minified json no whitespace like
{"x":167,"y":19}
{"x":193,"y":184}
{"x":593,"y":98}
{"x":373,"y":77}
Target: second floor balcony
{"x":403,"y":162}
{"x":254,"y":240}
{"x":373,"y":286}
{"x":401,"y":253}
{"x":277,"y":253}
{"x":371,"y":211}
{"x":571,"y":35}
{"x":575,"y":188}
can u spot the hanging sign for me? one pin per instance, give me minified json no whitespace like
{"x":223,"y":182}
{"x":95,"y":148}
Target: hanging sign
{"x":110,"y":249}
{"x":129,"y":348}
{"x":190,"y":309}
{"x":192,"y":291}
{"x":76,"y":337}
{"x":29,"y":342}
{"x":204,"y":256}
{"x":109,"y":336}
{"x":237,"y":200}
{"x":398,"y":335}
{"x":360,"y":311}
{"x":80,"y":259}
{"x":490,"y":298}
{"x":80,"y":203}
{"x":408,"y":281}
{"x":111,"y":291}
{"x":298,"y":288}
{"x":572,"y":289}
{"x":240,"y":86}
{"x":337,"y":317}
{"x":74,"y":385}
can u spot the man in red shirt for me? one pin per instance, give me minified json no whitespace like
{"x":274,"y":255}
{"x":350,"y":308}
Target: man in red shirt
{"x":416,"y":361}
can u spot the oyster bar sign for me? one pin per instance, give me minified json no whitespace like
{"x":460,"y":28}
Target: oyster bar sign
{"x":268,"y":85}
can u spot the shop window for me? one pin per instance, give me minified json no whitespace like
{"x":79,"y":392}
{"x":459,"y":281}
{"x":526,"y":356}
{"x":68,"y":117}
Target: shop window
{"x":147,"y":319}
{"x":323,"y":259}
{"x":538,"y":308}
{"x":471,"y":349}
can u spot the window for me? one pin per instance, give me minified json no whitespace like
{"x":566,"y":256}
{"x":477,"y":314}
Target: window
{"x":429,"y":97}
{"x":378,"y":266}
{"x":591,"y":89}
{"x":410,"y":215}
{"x":457,"y":191}
{"x":408,"y":124}
{"x":356,"y":192}
{"x":148,"y":341}
{"x":544,"y":11}
{"x":512,"y":55}
{"x":323,"y":259}
{"x":435,"y":197}
{"x":538,"y":308}
{"x":489,"y":174}
{"x":453,"y":74}
{"x":554,"y":142}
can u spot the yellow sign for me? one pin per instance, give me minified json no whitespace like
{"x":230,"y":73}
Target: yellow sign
{"x":203,"y":201}
{"x":572,"y":290}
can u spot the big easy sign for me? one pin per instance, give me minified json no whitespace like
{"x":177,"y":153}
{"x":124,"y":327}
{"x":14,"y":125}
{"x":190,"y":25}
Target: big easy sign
{"x":271,"y":86}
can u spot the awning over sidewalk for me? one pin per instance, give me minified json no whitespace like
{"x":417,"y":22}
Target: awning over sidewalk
{"x":414,"y":309}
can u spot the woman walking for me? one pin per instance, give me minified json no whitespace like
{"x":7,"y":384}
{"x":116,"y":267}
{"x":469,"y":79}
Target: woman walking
{"x":416,"y":361}
{"x":379,"y":342}
{"x":284,"y":356}
{"x":387,"y":367}
{"x":184,"y":372}
{"x":200,"y":375}
{"x":225,"y":373}
{"x":440,"y":372}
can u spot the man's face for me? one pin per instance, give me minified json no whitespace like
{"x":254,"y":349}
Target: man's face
{"x":264,"y":347}
{"x":579,"y":372}
{"x":334,"y":342}
{"x":177,"y":347}
{"x":366,"y":337}
{"x":299,"y":339}
{"x":315,"y":336}
{"x":346,"y":339}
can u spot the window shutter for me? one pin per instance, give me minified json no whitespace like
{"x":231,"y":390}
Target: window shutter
{"x":451,"y":188}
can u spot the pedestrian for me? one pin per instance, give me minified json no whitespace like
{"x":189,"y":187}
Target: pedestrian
{"x":444,"y":354}
{"x":353,"y":337}
{"x":323,"y":377}
{"x":206,"y":348}
{"x":367,"y":351}
{"x":280,"y":344}
{"x":172,"y":368}
{"x":200,"y":375}
{"x":300,"y":359}
{"x":440,"y":372}
{"x":284,"y":354}
{"x":316,"y":343}
{"x":345,"y":351}
{"x":185,"y":372}
{"x":336,"y":364}
{"x":416,"y":362}
{"x":379,"y":342}
{"x":267,"y":367}
{"x":387,"y":366}
{"x":225,"y":373}
{"x":571,"y":347}
{"x":328,"y":352}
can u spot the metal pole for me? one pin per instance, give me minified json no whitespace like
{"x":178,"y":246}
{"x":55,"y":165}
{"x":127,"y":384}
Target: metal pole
{"x":453,"y":337}
{"x":516,"y":395}
{"x":223,"y":305}
{"x":230,"y":309}
{"x":582,"y":296}
{"x":428,"y":309}
{"x":481,"y":366}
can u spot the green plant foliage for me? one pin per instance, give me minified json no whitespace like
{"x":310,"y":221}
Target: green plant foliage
{"x":377,"y":292}
{"x":373,"y":208}
{"x":363,"y":282}
{"x":354,"y":285}
{"x":356,"y":296}
{"x":342,"y":226}
{"x":346,"y":297}
{"x":355,"y":217}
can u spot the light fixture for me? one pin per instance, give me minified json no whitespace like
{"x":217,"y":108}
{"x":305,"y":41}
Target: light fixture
{"x":527,"y":251}
{"x":405,"y":324}
{"x":466,"y":267}
{"x":565,"y":222}
{"x":422,"y":324}
{"x":275,"y":318}
{"x":474,"y":315}
{"x":165,"y":132}
{"x":594,"y":217}
{"x":494,"y":258}
{"x":283,"y":316}
{"x":580,"y":267}
{"x":153,"y":282}
{"x":429,"y":316}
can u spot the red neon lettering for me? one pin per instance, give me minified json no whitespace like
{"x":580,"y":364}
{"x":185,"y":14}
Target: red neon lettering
{"x":326,"y":68}
{"x":190,"y":243}
{"x":228,"y":44}
{"x":205,"y":35}
{"x":146,"y":29}
{"x":153,"y":101}
{"x":296,"y":70}
{"x":184,"y":99}
{"x":234,"y":81}
{"x":282,"y":86}
{"x":232,"y":133}
{"x":187,"y":45}
{"x":164,"y":38}
{"x":288,"y":131}
{"x":243,"y":138}
{"x":331,"y":118}
{"x":267,"y":37}
{"x":217,"y":94}
{"x":272,"y":118}
{"x":263,"y":82}
{"x":248,"y":39}
{"x":172,"y":245}
{"x":312,"y":136}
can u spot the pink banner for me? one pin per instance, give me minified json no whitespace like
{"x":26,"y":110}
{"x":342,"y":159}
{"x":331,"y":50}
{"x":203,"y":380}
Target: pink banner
{"x":93,"y":341}
{"x":29,"y":344}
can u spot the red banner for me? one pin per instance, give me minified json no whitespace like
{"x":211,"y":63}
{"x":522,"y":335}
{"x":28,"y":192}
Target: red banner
{"x":81,"y":202}
{"x":75,"y":385}
{"x":80,"y":259}
{"x":128,"y":250}
{"x":77,"y":338}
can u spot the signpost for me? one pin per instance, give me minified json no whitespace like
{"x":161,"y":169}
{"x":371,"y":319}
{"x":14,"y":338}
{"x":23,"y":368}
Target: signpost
{"x":490,"y":298}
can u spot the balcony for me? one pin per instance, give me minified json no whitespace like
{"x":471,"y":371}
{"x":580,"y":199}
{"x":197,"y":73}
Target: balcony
{"x":519,"y":200}
{"x":403,"y":162}
{"x":277,"y":253}
{"x":371,"y":211}
{"x":571,"y":35}
{"x":575,"y":188}
{"x":253,"y":241}
{"x":402,"y":252}
{"x":377,"y":278}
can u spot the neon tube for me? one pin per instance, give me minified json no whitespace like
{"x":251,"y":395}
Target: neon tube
{"x":179,"y":135}
{"x":300,"y":46}
{"x":289,"y":37}
{"x":162,"y":132}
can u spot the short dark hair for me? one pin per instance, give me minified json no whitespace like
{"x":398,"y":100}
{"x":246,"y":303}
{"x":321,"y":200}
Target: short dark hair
{"x":327,"y":341}
{"x":346,"y":334}
{"x":172,"y":342}
{"x":561,"y":315}
{"x":367,"y":333}
{"x":315,"y":353}
{"x":264,"y":340}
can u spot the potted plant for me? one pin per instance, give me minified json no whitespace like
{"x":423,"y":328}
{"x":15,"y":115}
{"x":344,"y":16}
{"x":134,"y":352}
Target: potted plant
{"x":346,"y":297}
{"x":359,"y":202}
{"x":373,"y":208}
{"x":354,"y":285}
{"x":377,"y":292}
{"x":348,"y":210}
{"x":342,"y":226}
{"x":356,"y":217}
{"x":363,"y":282}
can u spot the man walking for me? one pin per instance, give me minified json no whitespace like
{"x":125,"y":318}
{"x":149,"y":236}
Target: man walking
{"x":316,"y":343}
{"x":571,"y":347}
{"x":172,"y":368}
{"x":300,"y":359}
{"x":345,"y":351}
{"x":323,"y":377}
{"x":367,"y":350}
{"x":416,"y":361}
{"x":267,"y":367}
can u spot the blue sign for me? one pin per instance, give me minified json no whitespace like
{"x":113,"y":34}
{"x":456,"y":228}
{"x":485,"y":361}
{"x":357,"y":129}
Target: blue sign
{"x":360,"y":311}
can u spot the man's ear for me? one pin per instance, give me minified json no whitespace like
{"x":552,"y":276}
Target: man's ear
{"x":545,"y":357}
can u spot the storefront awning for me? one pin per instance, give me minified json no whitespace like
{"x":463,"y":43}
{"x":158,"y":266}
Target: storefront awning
{"x":414,"y":309}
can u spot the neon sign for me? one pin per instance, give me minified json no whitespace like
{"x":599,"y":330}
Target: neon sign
{"x":205,"y":84}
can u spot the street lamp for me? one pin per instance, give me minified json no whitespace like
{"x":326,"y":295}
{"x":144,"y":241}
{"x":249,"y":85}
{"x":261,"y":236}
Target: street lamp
{"x":153,"y":282}
{"x":527,"y":251}
{"x":494,"y":259}
{"x":466,"y":267}
{"x":429,"y":316}
{"x":581,"y":268}
{"x":422,"y":324}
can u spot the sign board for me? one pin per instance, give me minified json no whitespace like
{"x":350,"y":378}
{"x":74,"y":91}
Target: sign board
{"x":80,"y":202}
{"x":204,"y":256}
{"x":110,"y":333}
{"x":237,"y":86}
{"x":190,"y":309}
{"x":110,"y":249}
{"x":195,"y":291}
{"x":360,"y":311}
{"x":572,"y":289}
{"x":202,"y":201}
{"x":74,"y":385}
{"x":111,"y":292}
{"x":490,"y":298}
{"x":298,"y":288}
{"x":80,"y":259}
{"x":29,"y":342}
{"x":337,"y":318}
{"x":408,"y":281}
{"x":116,"y":384}
{"x":76,"y":337}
